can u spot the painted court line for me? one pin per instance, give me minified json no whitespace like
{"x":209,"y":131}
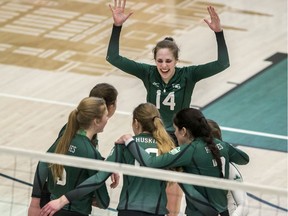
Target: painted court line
{"x":254,"y":133}
{"x":128,"y":113}
{"x":49,"y":101}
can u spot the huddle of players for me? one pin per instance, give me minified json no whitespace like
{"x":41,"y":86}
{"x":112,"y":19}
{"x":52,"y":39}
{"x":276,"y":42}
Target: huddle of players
{"x":199,"y":148}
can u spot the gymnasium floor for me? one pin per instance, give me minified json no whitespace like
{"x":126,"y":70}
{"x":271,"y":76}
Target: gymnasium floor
{"x":53,"y":52}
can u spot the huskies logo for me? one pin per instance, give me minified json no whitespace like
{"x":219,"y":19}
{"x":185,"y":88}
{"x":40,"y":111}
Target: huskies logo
{"x":156,"y":84}
{"x":176,"y":86}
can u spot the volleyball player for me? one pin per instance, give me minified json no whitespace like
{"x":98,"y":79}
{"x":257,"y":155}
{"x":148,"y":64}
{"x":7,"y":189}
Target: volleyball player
{"x":143,"y":196}
{"x":89,"y":118}
{"x":168,"y":87}
{"x":198,"y":153}
{"x":237,"y":200}
{"x":109,"y":93}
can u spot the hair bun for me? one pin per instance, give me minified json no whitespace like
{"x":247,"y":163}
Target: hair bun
{"x":169,"y":38}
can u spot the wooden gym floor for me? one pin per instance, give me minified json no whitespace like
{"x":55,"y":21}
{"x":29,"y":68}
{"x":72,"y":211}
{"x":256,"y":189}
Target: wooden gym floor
{"x":52,"y":52}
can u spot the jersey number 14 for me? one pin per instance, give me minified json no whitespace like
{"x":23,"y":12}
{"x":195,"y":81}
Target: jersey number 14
{"x":168,"y":101}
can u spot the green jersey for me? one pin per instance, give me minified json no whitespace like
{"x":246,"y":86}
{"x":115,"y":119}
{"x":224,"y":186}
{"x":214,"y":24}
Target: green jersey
{"x":94,"y":140}
{"x":142,"y":194}
{"x":196,"y":158}
{"x":176,"y":94}
{"x":80,"y":146}
{"x":96,"y":182}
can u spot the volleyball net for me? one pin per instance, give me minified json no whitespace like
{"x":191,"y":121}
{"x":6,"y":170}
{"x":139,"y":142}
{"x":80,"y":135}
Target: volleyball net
{"x":18,"y":168}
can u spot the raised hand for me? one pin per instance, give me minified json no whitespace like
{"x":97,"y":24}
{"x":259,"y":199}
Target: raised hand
{"x":118,"y":10}
{"x":214,"y":24}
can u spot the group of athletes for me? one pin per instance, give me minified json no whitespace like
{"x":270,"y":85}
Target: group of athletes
{"x":167,"y":135}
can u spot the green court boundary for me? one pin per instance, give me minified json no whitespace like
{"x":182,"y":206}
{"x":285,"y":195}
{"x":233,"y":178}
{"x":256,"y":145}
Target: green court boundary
{"x":275,"y":59}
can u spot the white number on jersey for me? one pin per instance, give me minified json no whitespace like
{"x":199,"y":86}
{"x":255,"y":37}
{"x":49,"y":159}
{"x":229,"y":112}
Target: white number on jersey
{"x":223,"y":164}
{"x":63,"y":181}
{"x":149,"y":151}
{"x":168,"y":101}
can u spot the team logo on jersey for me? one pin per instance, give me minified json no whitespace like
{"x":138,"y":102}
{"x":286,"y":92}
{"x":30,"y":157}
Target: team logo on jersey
{"x":207,"y":150}
{"x":176,"y":86}
{"x":156,"y":84}
{"x":175,"y":151}
{"x":72,"y":148}
{"x":220,"y":147}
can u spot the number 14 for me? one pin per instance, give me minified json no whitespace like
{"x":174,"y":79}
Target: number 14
{"x":168,"y":101}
